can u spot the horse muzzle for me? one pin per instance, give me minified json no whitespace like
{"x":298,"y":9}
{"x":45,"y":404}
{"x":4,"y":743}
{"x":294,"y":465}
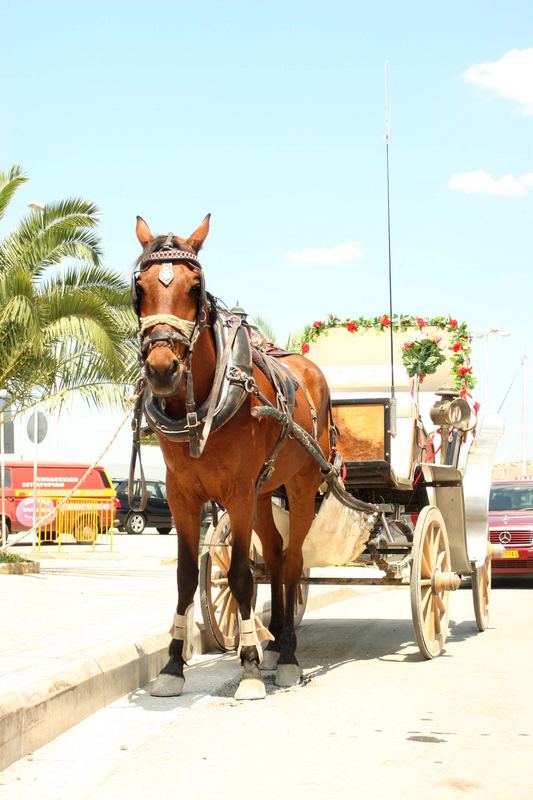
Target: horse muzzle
{"x":164,"y":374}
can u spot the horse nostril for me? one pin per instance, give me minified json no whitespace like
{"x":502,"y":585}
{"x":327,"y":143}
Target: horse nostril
{"x":150,"y":371}
{"x":173,"y":367}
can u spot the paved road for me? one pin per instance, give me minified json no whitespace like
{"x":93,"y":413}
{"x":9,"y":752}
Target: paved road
{"x":372,"y":719}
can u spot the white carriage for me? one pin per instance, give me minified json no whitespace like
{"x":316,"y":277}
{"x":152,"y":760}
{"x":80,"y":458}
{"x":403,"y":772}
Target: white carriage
{"x":424,"y":472}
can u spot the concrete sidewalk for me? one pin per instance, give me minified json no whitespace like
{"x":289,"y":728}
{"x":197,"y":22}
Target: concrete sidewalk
{"x":88,"y":629}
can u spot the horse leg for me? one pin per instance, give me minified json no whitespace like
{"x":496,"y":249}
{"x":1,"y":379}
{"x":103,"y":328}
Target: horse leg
{"x":171,"y":680}
{"x":302,"y":506}
{"x":272,"y":546}
{"x":251,"y":686}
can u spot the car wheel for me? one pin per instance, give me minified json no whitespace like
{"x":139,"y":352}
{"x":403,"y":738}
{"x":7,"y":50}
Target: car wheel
{"x":135,"y":523}
{"x":163,"y":530}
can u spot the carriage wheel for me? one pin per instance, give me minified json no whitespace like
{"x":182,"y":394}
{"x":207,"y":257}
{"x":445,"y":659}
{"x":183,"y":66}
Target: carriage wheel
{"x":219,"y":607}
{"x":431,"y":582}
{"x":481,"y":581}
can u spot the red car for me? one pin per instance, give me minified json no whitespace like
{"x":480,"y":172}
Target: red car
{"x":511,"y":524}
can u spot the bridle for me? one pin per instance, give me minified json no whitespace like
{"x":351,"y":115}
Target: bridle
{"x":177,"y":331}
{"x":181,"y":331}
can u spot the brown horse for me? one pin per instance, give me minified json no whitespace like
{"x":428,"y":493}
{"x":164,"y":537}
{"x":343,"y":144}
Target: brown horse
{"x":184,"y":367}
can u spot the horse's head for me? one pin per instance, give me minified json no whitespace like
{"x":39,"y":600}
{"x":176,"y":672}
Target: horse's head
{"x":168,"y":294}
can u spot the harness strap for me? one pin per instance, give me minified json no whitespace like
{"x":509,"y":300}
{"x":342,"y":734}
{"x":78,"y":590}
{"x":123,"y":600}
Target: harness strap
{"x":312,"y":409}
{"x":136,"y":452}
{"x":198,"y":441}
{"x":163,"y":336}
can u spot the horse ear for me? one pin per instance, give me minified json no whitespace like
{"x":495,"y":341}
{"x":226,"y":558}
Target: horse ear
{"x":197,"y":238}
{"x":144,"y":234}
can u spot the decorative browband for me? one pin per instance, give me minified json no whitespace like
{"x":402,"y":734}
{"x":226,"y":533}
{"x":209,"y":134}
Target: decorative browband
{"x":169,"y":254}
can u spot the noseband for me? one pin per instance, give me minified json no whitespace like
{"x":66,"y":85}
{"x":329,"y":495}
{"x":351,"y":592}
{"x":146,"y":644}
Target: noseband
{"x":182,"y":331}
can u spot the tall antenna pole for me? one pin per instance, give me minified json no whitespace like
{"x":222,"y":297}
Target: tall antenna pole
{"x":387,"y":140}
{"x":524,"y":415}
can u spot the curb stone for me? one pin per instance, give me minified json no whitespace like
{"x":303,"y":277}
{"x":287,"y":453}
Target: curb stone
{"x":33,"y":716}
{"x":19,"y":567}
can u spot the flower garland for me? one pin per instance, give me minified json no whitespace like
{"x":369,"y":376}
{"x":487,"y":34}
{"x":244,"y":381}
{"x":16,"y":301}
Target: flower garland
{"x":421,"y":356}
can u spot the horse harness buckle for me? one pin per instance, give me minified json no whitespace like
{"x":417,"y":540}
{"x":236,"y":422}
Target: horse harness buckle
{"x":237,"y":375}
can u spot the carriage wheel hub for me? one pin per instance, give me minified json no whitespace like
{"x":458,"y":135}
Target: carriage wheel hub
{"x":445,"y":582}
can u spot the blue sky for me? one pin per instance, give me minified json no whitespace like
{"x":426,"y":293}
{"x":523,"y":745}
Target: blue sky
{"x":270,"y":116}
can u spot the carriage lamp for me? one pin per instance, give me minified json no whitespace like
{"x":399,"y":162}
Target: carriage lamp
{"x":451,"y":411}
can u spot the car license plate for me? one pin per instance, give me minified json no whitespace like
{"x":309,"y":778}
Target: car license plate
{"x":510,"y":554}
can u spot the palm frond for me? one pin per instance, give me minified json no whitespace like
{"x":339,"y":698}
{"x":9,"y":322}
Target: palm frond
{"x":9,"y":183}
{"x":67,"y":333}
{"x":264,"y":328}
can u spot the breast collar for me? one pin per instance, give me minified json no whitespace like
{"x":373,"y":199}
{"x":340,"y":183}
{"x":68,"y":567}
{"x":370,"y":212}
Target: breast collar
{"x":229,"y":398}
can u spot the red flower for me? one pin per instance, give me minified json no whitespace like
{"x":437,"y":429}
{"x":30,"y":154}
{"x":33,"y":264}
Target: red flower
{"x":305,"y":347}
{"x":407,"y":345}
{"x":457,"y":346}
{"x":476,"y":407}
{"x":437,"y":339}
{"x":464,"y":371}
{"x":420,"y":322}
{"x":318,"y":324}
{"x":421,"y":377}
{"x":452,"y":323}
{"x":351,"y":326}
{"x":385,"y":321}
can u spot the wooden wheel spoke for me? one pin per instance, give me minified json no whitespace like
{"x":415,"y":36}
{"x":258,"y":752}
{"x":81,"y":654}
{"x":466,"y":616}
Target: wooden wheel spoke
{"x":426,"y":565}
{"x":430,"y":620}
{"x":232,"y":621}
{"x":439,"y":561}
{"x":221,"y":596}
{"x":226,"y":610}
{"x":227,"y":625}
{"x":436,"y":616}
{"x":222,"y":558}
{"x":440,"y":604}
{"x":426,"y":597}
{"x":435,"y":549}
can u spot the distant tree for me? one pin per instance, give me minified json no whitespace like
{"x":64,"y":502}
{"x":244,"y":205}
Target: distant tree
{"x":263,"y":328}
{"x":63,"y":329}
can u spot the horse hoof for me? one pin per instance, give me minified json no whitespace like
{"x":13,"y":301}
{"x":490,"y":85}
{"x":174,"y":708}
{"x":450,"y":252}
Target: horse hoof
{"x":288,"y":675}
{"x":251,"y":689}
{"x":270,"y":660}
{"x":167,"y":686}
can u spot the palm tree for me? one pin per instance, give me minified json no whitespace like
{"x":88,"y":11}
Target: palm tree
{"x":61,"y":330}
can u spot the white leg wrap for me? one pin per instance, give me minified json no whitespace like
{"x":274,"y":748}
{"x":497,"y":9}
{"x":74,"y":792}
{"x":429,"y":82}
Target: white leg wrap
{"x":253,"y":632}
{"x":182,"y":629}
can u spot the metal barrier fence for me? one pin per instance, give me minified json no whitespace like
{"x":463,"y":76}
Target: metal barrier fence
{"x":81,"y":519}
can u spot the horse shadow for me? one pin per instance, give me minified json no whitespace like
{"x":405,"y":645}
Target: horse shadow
{"x":323,"y":646}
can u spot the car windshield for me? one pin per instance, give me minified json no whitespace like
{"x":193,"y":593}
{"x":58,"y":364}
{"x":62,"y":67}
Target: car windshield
{"x":511,"y":497}
{"x":163,"y":489}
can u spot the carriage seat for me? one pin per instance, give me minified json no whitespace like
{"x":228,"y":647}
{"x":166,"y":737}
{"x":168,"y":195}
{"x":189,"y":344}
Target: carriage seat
{"x":372,"y":455}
